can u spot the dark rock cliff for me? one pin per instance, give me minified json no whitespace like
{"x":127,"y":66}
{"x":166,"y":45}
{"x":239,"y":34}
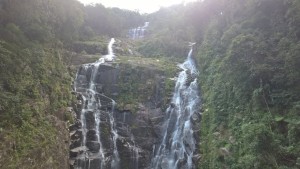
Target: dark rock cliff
{"x":142,"y":92}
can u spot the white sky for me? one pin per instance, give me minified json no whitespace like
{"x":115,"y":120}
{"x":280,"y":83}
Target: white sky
{"x":144,"y":6}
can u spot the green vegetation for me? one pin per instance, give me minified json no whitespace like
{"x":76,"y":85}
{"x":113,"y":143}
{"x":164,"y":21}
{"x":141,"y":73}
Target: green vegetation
{"x":249,"y":64}
{"x":140,"y":78}
{"x":35,"y":86}
{"x":169,"y":34}
{"x":109,"y":21}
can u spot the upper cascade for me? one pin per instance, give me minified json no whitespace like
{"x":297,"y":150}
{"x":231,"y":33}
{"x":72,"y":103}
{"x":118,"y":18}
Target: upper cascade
{"x":110,"y":56}
{"x":178,"y":144}
{"x":139,"y":32}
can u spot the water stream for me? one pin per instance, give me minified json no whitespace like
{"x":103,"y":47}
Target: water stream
{"x":178,"y":144}
{"x":90,"y":116}
{"x":139,"y":32}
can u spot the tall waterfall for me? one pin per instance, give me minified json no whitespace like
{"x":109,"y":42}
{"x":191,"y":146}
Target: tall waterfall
{"x":178,"y":144}
{"x":95,"y":106}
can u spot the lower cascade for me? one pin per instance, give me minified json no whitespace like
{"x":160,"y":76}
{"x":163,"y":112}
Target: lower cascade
{"x":96,"y":115}
{"x":177,"y":147}
{"x":109,"y":136}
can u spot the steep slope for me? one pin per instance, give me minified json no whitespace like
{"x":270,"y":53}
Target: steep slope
{"x":34,"y":94}
{"x":249,"y":64}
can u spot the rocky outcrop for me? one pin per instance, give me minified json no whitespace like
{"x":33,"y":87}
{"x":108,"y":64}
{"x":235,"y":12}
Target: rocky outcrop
{"x":141,"y":95}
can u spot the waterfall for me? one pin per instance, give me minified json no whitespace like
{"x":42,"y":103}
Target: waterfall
{"x":177,"y":146}
{"x":110,"y":56}
{"x":93,"y":104}
{"x":116,"y":159}
{"x":107,"y":138}
{"x":139,"y":32}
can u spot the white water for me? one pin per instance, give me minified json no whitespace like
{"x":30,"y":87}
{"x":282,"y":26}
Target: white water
{"x":135,"y":153}
{"x":139,"y":32}
{"x":178,"y":144}
{"x":92,"y":103}
{"x":115,"y":159}
{"x":110,"y":56}
{"x":101,"y":152}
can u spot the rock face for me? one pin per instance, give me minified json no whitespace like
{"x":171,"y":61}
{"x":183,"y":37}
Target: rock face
{"x":140,"y":94}
{"x":129,"y":117}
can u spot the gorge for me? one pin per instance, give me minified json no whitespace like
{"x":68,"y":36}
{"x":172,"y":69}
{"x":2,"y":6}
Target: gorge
{"x":201,"y":85}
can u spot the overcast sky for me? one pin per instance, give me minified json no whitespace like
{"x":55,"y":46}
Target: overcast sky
{"x":144,"y":6}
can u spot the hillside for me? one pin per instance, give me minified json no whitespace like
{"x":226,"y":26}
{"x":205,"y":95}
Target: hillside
{"x":241,"y":78}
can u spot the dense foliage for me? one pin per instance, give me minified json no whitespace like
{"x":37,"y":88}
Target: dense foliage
{"x":249,"y":64}
{"x":109,"y":21}
{"x":167,"y":33}
{"x":35,"y":86}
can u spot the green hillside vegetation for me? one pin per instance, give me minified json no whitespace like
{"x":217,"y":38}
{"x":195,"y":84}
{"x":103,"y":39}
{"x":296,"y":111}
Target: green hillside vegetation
{"x":250,"y":78}
{"x":35,"y":88}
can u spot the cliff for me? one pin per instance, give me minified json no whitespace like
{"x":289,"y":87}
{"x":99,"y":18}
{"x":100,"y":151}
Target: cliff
{"x":142,"y":89}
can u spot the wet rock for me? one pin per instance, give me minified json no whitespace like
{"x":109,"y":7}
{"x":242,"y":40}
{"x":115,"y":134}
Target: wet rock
{"x":71,"y":163}
{"x":90,"y":120}
{"x":79,"y":149}
{"x":196,"y":158}
{"x":104,"y":117}
{"x":76,"y":135}
{"x":75,"y":144}
{"x":82,"y":162}
{"x":181,"y":164}
{"x":195,"y":118}
{"x":91,"y":135}
{"x":99,"y":88}
{"x":93,"y":146}
{"x":75,"y":126}
{"x":164,"y":163}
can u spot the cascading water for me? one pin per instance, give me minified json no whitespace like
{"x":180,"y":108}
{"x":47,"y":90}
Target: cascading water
{"x":178,"y":144}
{"x":116,"y":159}
{"x":90,"y":116}
{"x":139,"y":32}
{"x":110,"y":56}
